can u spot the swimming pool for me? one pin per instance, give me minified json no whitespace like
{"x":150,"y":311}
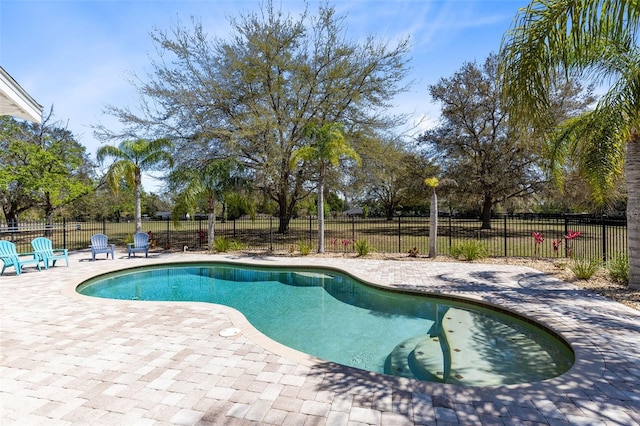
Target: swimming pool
{"x":332,"y":316}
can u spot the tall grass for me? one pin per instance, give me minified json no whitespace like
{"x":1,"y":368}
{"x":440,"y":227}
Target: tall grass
{"x":618,"y":268}
{"x":584,"y":269}
{"x":223,"y":245}
{"x":469,"y":250}
{"x":362,"y":247}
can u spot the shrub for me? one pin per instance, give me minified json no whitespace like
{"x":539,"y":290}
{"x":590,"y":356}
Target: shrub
{"x":414,"y":252}
{"x":469,"y":250}
{"x":223,"y":244}
{"x":619,"y":268}
{"x":304,"y":247}
{"x":584,"y":269}
{"x":362,"y":247}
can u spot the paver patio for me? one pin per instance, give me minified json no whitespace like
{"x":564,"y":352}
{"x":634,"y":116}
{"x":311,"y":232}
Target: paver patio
{"x":72,"y":360}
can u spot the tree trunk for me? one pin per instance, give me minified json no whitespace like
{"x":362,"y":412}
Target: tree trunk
{"x":632,"y":172}
{"x":321,"y":213}
{"x":433,"y":225}
{"x":137,"y":191}
{"x":48,"y":215}
{"x":10,"y":215}
{"x":389,"y":210}
{"x":485,"y":216}
{"x":211,"y":206}
{"x":48,"y":228}
{"x":12,"y":221}
{"x":283,"y":213}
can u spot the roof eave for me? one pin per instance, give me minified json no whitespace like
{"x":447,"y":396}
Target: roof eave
{"x":16,"y":102}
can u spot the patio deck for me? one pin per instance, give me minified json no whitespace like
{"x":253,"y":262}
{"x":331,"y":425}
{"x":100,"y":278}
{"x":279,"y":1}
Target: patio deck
{"x":67,"y":359}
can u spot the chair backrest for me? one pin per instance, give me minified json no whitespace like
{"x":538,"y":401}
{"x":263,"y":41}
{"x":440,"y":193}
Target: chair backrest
{"x":140,"y":239}
{"x":7,"y":248}
{"x":42,"y":245}
{"x":99,"y":241}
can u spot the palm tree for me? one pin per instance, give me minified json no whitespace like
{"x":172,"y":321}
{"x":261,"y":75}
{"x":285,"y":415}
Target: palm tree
{"x":131,"y":158}
{"x":209,"y":183}
{"x":433,"y":183}
{"x":596,"y":39}
{"x":328,"y":146}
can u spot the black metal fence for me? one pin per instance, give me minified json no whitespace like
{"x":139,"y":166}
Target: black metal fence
{"x":510,"y":236}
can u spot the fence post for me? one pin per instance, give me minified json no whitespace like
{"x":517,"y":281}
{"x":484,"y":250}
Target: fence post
{"x":104,"y":226}
{"x":353,"y":228}
{"x":234,"y":228}
{"x":168,"y":235}
{"x":310,"y":229}
{"x":505,"y":235}
{"x":604,"y":239}
{"x":566,"y":232}
{"x":64,"y":232}
{"x":270,"y":233}
{"x":399,"y":233}
{"x":450,"y":231}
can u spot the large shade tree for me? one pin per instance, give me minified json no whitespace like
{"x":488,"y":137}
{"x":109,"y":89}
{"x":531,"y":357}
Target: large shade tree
{"x":252,"y":93}
{"x":42,"y":167}
{"x":130,"y":159}
{"x":595,"y":39}
{"x":476,"y":143}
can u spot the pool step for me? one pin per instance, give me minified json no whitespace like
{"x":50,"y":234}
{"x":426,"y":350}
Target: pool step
{"x":419,"y":357}
{"x":428,"y":361}
{"x":397,"y":363}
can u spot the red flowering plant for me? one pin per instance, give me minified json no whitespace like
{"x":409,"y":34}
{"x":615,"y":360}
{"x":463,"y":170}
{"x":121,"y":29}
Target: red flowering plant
{"x":346,"y":243}
{"x":539,"y":238}
{"x":570,"y":237}
{"x":334,"y":242}
{"x":556,"y":246}
{"x":152,"y":239}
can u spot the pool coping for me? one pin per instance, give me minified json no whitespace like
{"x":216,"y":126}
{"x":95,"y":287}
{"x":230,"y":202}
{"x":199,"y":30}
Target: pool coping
{"x":589,"y":372}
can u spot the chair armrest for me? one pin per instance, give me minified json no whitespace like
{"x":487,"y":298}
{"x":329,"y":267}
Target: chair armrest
{"x":32,"y":254}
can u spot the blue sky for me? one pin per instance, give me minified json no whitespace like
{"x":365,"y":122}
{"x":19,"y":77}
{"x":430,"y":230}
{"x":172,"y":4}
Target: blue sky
{"x":77,"y":55}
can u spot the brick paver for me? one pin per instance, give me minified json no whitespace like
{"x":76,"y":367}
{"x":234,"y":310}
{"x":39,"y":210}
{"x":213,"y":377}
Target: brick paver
{"x":67,"y":359}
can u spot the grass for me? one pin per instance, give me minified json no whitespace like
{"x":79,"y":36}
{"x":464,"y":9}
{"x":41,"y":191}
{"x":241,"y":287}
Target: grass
{"x":619,"y":268}
{"x":584,"y":269}
{"x":223,"y":245}
{"x":304,"y":247}
{"x":469,"y":250}
{"x":363,"y":247}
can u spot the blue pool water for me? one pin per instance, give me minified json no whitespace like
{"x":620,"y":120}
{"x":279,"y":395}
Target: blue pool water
{"x":334,"y":317}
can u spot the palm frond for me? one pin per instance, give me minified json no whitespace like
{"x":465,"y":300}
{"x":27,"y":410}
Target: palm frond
{"x":593,"y":141}
{"x":592,"y":38}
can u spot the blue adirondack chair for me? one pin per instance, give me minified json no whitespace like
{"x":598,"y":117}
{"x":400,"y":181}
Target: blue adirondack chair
{"x":100,"y":244}
{"x":140,"y":244}
{"x":10,"y":257}
{"x":43,"y":248}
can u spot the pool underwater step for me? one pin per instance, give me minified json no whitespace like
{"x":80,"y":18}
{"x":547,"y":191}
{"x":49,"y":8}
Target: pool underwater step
{"x":397,"y":362}
{"x":419,"y":357}
{"x":428,"y":361}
